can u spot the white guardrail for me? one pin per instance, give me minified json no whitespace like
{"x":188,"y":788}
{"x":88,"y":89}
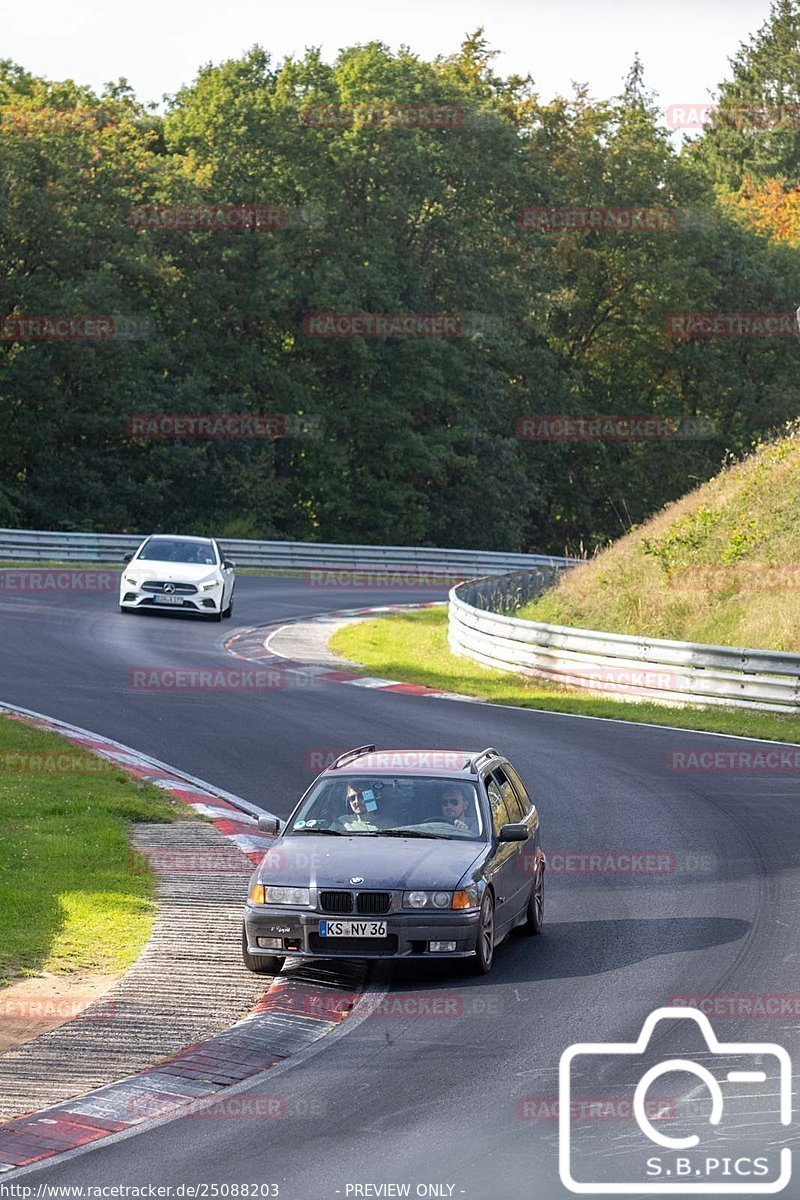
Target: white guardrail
{"x":27,"y":545}
{"x":637,"y":668}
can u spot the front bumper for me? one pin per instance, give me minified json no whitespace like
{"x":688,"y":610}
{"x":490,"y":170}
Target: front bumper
{"x":408,"y":934}
{"x":199,"y":602}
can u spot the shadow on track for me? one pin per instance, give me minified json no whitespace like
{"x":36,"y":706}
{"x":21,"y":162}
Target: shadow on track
{"x":571,"y":949}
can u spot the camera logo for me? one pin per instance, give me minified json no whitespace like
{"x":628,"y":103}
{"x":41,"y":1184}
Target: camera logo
{"x":740,"y":1076}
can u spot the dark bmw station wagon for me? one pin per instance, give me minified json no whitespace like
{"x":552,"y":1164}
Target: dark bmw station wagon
{"x":399,"y":854}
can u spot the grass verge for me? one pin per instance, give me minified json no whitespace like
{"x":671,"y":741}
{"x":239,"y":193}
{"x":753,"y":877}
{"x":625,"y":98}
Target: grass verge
{"x":412,"y":648}
{"x":73,"y":896}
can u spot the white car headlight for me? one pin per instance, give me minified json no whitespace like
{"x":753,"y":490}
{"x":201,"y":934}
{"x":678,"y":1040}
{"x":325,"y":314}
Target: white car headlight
{"x":427,"y":899}
{"x":206,"y":587}
{"x":286,"y":895}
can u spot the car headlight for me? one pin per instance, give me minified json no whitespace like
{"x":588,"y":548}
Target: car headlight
{"x":205,"y":587}
{"x":132,"y":580}
{"x":282,"y":895}
{"x":427,"y":899}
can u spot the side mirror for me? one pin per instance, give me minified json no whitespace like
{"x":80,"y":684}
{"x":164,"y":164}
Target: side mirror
{"x":514,"y":833}
{"x":269,"y":825}
{"x":127,"y":557}
{"x":226,"y":562}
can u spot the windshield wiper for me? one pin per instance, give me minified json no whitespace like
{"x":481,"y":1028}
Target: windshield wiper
{"x":406,"y":833}
{"x":318,"y":832}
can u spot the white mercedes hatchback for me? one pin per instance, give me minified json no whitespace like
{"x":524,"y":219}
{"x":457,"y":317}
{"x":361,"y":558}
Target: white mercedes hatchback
{"x":178,"y":573}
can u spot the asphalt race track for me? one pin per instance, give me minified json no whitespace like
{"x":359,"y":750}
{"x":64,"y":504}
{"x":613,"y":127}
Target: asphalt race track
{"x":447,"y":1100}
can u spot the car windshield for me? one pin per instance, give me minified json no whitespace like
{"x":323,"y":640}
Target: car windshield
{"x":178,"y":550}
{"x":391,"y":806}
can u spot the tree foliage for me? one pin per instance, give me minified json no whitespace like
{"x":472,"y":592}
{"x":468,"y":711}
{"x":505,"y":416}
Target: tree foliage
{"x":416,"y":436}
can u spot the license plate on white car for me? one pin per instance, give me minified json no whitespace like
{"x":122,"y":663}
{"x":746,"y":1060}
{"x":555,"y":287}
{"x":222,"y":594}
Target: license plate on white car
{"x":358,"y":929}
{"x":168,"y":599}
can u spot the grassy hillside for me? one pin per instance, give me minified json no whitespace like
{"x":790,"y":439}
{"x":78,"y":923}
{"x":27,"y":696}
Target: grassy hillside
{"x":721,"y":565}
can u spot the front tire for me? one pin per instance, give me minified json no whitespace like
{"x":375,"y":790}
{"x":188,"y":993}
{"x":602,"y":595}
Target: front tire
{"x":260,"y":964}
{"x":481,"y":964}
{"x":534,"y":917}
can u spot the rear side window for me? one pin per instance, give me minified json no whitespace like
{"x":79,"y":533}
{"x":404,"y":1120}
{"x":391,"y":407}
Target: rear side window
{"x":497,"y":804}
{"x":512,"y":803}
{"x":519,"y":788}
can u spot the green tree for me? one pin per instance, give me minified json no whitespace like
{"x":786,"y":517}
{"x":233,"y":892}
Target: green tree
{"x":755,"y":131}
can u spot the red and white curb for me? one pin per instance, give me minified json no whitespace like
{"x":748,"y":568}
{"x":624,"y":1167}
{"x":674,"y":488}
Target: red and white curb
{"x":253,"y":645}
{"x":294,"y":1012}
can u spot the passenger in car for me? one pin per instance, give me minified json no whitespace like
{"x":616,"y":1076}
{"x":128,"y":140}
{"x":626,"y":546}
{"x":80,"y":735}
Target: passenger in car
{"x":361,"y":814}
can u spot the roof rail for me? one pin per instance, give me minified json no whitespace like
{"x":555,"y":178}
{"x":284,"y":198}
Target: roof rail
{"x":349,"y":755}
{"x":489,"y":752}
